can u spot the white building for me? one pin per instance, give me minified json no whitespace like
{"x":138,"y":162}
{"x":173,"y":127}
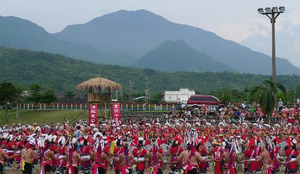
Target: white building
{"x":178,"y":96}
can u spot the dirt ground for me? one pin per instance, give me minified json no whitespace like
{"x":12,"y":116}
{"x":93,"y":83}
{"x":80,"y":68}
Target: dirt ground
{"x":166,"y":171}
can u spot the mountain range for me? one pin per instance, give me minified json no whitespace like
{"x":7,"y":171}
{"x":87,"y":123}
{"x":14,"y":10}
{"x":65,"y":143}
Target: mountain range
{"x":172,"y":56}
{"x":24,"y":68}
{"x":23,"y":34}
{"x":128,"y":38}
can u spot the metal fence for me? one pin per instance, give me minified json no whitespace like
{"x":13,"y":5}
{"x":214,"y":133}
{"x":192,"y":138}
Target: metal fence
{"x":124,"y":106}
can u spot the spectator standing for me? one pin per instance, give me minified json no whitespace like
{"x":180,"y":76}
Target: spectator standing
{"x":298,"y":102}
{"x":280,"y":105}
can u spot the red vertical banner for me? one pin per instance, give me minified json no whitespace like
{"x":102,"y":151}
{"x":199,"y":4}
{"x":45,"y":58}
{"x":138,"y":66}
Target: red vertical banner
{"x":116,"y":112}
{"x":93,"y":114}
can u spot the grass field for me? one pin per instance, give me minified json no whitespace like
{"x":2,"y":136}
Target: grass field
{"x":32,"y":116}
{"x":49,"y":116}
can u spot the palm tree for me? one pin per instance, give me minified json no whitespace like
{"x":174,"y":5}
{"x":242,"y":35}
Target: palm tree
{"x":224,"y":95}
{"x":267,"y":95}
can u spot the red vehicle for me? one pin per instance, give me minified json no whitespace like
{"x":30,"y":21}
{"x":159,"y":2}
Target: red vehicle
{"x":202,"y":100}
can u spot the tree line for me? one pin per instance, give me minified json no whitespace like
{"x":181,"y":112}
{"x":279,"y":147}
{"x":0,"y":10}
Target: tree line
{"x":266,"y":94}
{"x":11,"y":95}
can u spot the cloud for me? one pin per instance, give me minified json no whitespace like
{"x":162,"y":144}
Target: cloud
{"x":262,"y":29}
{"x":297,"y":46}
{"x":292,"y":15}
{"x":287,"y":40}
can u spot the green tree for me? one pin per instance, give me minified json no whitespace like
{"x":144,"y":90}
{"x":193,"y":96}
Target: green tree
{"x":69,"y":95}
{"x":36,"y":95}
{"x":157,"y":98}
{"x":9,"y":94}
{"x":251,"y":95}
{"x":297,"y":91}
{"x":267,"y":95}
{"x":49,"y":96}
{"x":287,"y":97}
{"x":224,"y":95}
{"x":197,"y":92}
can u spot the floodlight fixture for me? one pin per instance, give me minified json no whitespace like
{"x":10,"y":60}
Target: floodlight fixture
{"x":268,"y":10}
{"x":275,"y":9}
{"x":282,"y":9}
{"x":260,"y":10}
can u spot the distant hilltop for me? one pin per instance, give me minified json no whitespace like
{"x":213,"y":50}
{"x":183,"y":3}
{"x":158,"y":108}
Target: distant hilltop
{"x":131,"y":38}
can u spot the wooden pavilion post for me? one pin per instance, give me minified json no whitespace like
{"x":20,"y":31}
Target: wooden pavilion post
{"x":96,"y":95}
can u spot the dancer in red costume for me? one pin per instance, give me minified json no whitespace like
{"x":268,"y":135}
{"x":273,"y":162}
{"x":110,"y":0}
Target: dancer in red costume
{"x":267,"y":157}
{"x":2,"y":156}
{"x":204,"y":153}
{"x":291,"y":153}
{"x":125,"y":159}
{"x":86,"y":152}
{"x":73,"y":158}
{"x":19,"y":146}
{"x":119,"y":149}
{"x":218,"y":156}
{"x":27,"y":157}
{"x":229,"y":158}
{"x":140,"y":154}
{"x":291,"y":162}
{"x":48,"y":160}
{"x":100,"y":158}
{"x":190,"y":158}
{"x":11,"y":146}
{"x":175,"y":151}
{"x":61,"y":153}
{"x":253,"y":152}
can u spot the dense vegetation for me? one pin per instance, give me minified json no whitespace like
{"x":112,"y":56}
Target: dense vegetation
{"x":25,"y":68}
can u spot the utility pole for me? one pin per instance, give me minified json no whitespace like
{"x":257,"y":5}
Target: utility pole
{"x":146,"y":90}
{"x":130,"y":91}
{"x":272,"y":14}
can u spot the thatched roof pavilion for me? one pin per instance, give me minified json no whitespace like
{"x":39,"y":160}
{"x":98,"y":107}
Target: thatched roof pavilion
{"x":99,"y":83}
{"x":96,"y":87}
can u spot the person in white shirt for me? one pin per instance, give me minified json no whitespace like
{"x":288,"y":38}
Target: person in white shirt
{"x":280,"y":105}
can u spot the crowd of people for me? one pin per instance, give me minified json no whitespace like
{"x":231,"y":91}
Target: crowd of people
{"x":239,"y":113}
{"x":175,"y":145}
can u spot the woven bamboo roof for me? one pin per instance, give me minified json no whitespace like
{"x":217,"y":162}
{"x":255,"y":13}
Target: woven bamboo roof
{"x":99,"y":83}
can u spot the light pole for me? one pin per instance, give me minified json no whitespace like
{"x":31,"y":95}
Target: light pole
{"x":272,"y":14}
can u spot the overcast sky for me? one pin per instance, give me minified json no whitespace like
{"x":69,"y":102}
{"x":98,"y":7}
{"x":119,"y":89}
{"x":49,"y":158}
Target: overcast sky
{"x":235,"y":20}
